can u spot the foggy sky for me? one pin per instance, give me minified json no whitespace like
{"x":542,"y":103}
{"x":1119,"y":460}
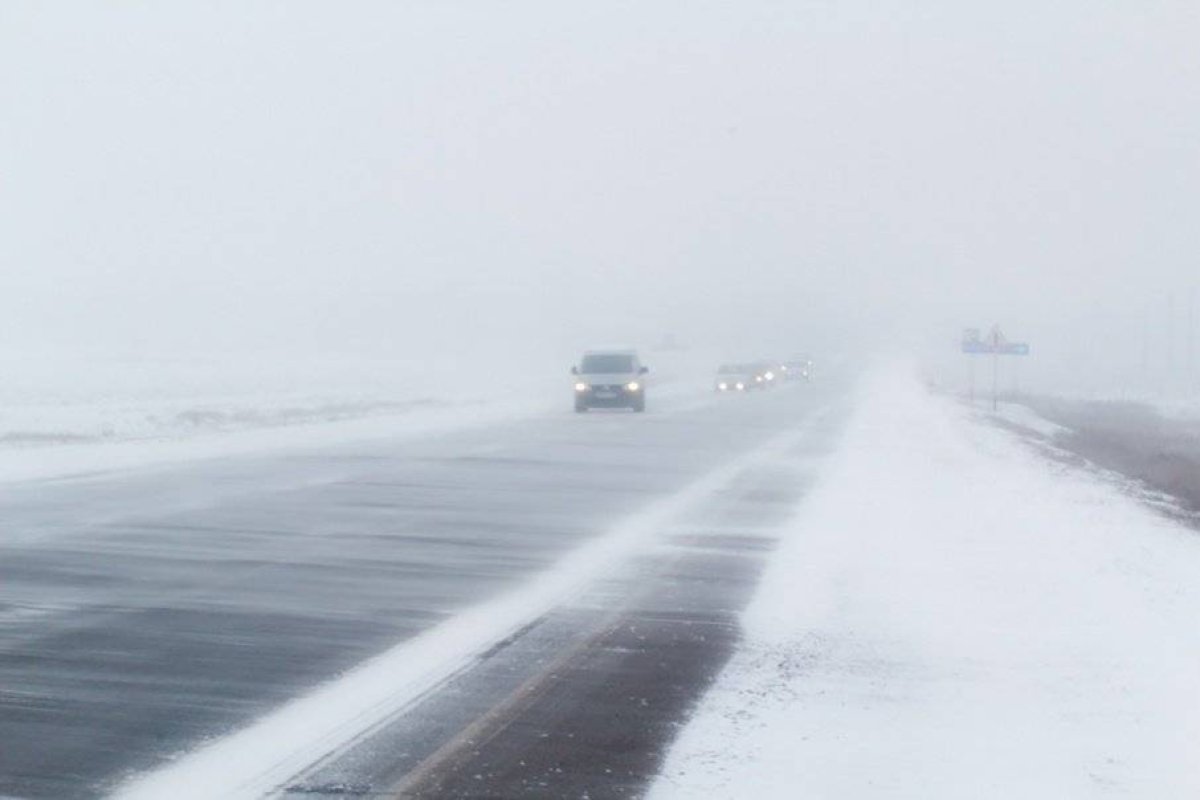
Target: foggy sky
{"x":390,"y":176}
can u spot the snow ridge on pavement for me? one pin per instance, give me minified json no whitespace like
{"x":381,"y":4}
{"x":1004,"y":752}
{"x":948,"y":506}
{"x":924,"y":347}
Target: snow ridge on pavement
{"x":951,"y":615}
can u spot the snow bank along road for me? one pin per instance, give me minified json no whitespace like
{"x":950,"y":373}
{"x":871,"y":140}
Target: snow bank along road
{"x":1160,"y":451}
{"x":351,"y":619}
{"x":951,"y":614}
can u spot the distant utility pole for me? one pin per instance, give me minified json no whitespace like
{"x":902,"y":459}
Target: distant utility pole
{"x":995,"y":380}
{"x":1146,"y":346}
{"x":1170,"y":341}
{"x":1191,"y":340}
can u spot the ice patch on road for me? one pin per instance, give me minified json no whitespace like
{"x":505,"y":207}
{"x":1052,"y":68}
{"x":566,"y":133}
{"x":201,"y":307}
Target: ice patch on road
{"x":949,"y":616}
{"x":261,"y":759}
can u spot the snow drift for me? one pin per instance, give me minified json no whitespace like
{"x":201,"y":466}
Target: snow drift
{"x":951,"y":615}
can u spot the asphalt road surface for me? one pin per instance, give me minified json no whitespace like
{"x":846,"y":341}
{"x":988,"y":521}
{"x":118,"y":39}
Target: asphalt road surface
{"x":145,"y":613}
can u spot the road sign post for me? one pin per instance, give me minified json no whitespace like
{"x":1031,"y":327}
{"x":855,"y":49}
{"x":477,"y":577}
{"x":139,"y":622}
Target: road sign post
{"x":994,"y":345}
{"x":995,"y":378}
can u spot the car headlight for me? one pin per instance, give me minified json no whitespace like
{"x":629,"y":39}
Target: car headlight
{"x":633,"y":386}
{"x":758,"y":378}
{"x":722,"y":386}
{"x":770,"y":376}
{"x":741,"y":386}
{"x":581,"y":387}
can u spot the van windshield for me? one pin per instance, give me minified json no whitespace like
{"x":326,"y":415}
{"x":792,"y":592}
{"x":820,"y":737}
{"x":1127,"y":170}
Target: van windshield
{"x":606,"y":363}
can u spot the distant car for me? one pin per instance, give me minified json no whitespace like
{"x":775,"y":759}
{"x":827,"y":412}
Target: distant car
{"x":767,"y":373}
{"x":738,"y":378}
{"x":610,"y":379}
{"x":798,"y":369}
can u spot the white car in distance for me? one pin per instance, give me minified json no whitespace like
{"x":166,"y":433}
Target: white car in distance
{"x":610,"y":379}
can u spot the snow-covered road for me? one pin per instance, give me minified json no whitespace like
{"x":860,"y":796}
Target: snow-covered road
{"x":952,"y":615}
{"x":147,"y":612}
{"x":944,"y":612}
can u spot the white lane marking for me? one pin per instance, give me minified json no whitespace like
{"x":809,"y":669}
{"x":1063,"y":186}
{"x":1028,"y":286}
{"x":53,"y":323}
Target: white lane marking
{"x":260,"y":759}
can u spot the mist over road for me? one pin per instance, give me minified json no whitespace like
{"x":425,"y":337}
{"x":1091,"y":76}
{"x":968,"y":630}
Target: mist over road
{"x":142,"y":614}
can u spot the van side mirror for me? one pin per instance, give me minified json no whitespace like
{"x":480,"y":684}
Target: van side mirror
{"x":643,"y":370}
{"x":574,"y":370}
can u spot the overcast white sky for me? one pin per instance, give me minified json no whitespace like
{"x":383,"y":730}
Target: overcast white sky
{"x":383,"y":176}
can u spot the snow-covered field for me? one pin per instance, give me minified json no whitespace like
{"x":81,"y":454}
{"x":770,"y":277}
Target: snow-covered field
{"x":67,"y":413}
{"x":950,"y":615}
{"x":64,"y":399}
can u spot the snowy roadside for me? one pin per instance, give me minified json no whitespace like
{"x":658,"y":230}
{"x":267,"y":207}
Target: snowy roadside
{"x":65,"y":416}
{"x":24,"y":464}
{"x":950,"y":615}
{"x":1025,"y":417}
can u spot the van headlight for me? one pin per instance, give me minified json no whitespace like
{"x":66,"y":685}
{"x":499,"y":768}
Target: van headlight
{"x":722,"y":386}
{"x":633,"y":386}
{"x":741,"y":386}
{"x":581,"y":387}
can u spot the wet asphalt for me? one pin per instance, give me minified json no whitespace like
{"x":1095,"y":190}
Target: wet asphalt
{"x":586,"y":701}
{"x":143,"y":613}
